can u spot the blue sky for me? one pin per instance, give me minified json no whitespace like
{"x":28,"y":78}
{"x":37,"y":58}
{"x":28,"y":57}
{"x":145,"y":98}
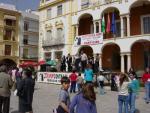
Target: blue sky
{"x":23,"y":4}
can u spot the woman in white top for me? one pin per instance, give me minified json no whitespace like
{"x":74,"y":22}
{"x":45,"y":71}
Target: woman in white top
{"x":123,"y":93}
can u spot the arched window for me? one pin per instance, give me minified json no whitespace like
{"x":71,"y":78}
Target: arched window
{"x":59,"y":33}
{"x":49,"y":35}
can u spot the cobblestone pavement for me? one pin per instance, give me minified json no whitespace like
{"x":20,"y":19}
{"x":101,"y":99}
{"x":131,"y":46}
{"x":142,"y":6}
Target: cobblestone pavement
{"x":46,"y":98}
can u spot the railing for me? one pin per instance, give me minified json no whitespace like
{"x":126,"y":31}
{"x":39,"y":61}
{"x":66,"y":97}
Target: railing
{"x":57,"y":41}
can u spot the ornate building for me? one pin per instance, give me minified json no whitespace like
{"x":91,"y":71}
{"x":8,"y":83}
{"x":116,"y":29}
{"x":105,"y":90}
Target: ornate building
{"x":117,"y":30}
{"x":9,"y":35}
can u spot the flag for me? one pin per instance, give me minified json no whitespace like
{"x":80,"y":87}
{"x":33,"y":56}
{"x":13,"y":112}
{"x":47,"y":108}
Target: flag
{"x":103,"y":25}
{"x":108,"y":24}
{"x":113,"y":24}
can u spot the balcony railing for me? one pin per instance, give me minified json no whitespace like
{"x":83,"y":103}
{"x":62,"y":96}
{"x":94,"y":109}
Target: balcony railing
{"x":50,"y":43}
{"x":54,"y":42}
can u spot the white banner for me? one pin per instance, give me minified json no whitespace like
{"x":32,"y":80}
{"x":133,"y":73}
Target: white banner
{"x":51,"y":77}
{"x":89,"y":39}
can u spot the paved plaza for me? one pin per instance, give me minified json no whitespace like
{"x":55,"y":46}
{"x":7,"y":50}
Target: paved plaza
{"x":46,"y":98}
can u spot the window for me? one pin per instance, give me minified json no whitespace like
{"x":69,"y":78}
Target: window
{"x":59,"y":33}
{"x":49,"y":13}
{"x":7,"y":49}
{"x":58,"y":54}
{"x":25,"y":53}
{"x":84,"y":4}
{"x":25,"y":39}
{"x":8,"y":33}
{"x":26,"y":26}
{"x":47,"y":56}
{"x":59,"y":10}
{"x":118,"y":29}
{"x":10,"y":22}
{"x":49,"y":35}
{"x":97,"y":27}
{"x":146,"y":24}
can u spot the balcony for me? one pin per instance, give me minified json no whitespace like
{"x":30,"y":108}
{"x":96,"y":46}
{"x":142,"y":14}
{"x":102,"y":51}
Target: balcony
{"x":29,"y":57}
{"x":56,"y":42}
{"x":85,"y":4}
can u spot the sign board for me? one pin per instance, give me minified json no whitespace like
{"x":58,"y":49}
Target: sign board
{"x":51,"y":77}
{"x":89,"y":39}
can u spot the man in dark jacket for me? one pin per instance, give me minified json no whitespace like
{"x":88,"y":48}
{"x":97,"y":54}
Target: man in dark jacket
{"x":25,"y":91}
{"x":5,"y":86}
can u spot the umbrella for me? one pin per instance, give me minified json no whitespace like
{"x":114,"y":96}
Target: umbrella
{"x":28,"y":63}
{"x":51,"y":62}
{"x":41,"y":62}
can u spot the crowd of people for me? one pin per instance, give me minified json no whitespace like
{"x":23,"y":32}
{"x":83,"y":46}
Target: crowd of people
{"x":22,"y":82}
{"x":78,"y":63}
{"x":127,"y":85}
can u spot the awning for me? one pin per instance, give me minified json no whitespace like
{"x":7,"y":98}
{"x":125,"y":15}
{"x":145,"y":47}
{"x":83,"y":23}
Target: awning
{"x":9,"y":17}
{"x":41,"y":62}
{"x":28,"y":63}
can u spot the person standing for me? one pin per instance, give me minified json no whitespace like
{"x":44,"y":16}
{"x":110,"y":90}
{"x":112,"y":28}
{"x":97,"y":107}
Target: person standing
{"x":5,"y":86}
{"x":25,"y":91}
{"x":101,"y":79}
{"x":79,"y":82}
{"x":69,"y":62}
{"x":73,"y":79}
{"x":84,"y":59}
{"x":146,"y":81}
{"x":84,"y":101}
{"x":88,"y":74}
{"x":123,"y":93}
{"x":133,"y":92}
{"x":64,"y":98}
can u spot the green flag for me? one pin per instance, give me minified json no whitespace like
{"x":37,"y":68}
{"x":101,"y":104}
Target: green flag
{"x":103,"y":25}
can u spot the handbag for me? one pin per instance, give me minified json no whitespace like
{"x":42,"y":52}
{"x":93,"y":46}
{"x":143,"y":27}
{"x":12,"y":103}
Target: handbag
{"x":60,"y":109}
{"x":22,"y":91}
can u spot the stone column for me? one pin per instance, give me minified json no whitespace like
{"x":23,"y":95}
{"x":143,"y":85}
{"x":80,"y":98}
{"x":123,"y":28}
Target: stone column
{"x":122,"y":27}
{"x":100,"y":61}
{"x":128,"y":25}
{"x":77,"y":29}
{"x":99,"y":26}
{"x":94,"y":23}
{"x":129,"y":61}
{"x":122,"y":63}
{"x":52,"y":55}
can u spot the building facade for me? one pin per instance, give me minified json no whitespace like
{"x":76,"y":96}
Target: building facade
{"x":126,"y":31}
{"x":9,"y":35}
{"x":29,"y":36}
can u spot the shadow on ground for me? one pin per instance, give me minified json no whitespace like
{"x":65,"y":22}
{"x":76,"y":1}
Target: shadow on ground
{"x":15,"y":112}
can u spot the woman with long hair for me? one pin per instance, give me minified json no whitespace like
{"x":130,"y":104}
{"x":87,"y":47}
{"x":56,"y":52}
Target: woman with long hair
{"x":123,"y":93}
{"x":84,"y":102}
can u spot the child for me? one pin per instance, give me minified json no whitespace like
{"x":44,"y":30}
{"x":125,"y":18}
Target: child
{"x":64,"y":98}
{"x":73,"y":79}
{"x":79,"y":82}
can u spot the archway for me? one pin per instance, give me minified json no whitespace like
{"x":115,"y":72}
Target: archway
{"x":140,"y":55}
{"x":111,"y":29}
{"x":111,"y":57}
{"x":86,"y":24}
{"x":139,"y":17}
{"x":8,"y":63}
{"x":88,"y":50}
